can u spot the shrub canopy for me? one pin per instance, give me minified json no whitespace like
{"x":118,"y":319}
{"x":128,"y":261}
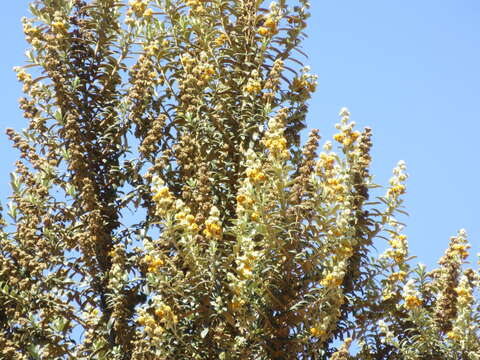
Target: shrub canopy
{"x":163,"y":206}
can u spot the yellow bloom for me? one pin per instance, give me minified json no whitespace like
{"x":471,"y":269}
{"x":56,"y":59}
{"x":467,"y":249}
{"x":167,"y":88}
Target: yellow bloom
{"x":461,"y":250}
{"x":245,"y":270}
{"x":347,"y":141}
{"x":276,"y":145}
{"x":253,"y":86}
{"x":138,"y":7}
{"x":23,"y":76}
{"x":452,"y":335}
{"x":398,"y":276}
{"x":270,"y":23}
{"x":256,"y":175}
{"x":462,"y":291}
{"x":148,"y":13}
{"x":212,"y":229}
{"x":263,"y":30}
{"x":396,"y":190}
{"x":151,"y":49}
{"x":326,"y":161}
{"x":316,"y":332}
{"x":331,"y":281}
{"x":153,"y":264}
{"x":339,"y":137}
{"x":194,"y":227}
{"x":355,"y":135}
{"x":412,"y":301}
{"x":180,"y":216}
{"x":141,"y":320}
{"x":237,"y":304}
{"x":162,"y":193}
{"x":241,"y":198}
{"x":59,"y":27}
{"x":220,"y":40}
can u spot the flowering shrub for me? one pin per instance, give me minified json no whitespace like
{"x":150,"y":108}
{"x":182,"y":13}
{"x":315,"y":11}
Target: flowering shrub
{"x":163,"y":208}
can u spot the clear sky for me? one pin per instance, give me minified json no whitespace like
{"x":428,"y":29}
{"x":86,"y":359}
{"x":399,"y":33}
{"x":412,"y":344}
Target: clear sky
{"x":409,"y":69}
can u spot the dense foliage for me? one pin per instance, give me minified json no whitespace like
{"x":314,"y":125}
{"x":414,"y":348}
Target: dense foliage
{"x":163,"y":206}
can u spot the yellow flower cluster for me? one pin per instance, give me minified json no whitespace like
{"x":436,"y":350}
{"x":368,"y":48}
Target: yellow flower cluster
{"x":213,"y":228}
{"x":155,"y":324}
{"x":196,"y":6}
{"x":256,"y":175}
{"x":205,"y":71}
{"x":325,"y":162}
{"x":237,"y":304}
{"x":155,"y":78}
{"x":274,"y":140}
{"x":138,"y":7}
{"x":22,"y":75}
{"x":25,"y":78}
{"x":304,"y":85}
{"x":255,"y":216}
{"x":140,"y":10}
{"x":332,"y":280}
{"x":276,"y":145}
{"x":147,"y":14}
{"x":454,"y":335}
{"x":335,"y":186}
{"x":152,"y":327}
{"x":397,"y":186}
{"x":464,"y":292}
{"x":220,"y":40}
{"x":187,"y":220}
{"x":396,"y":190}
{"x":188,"y":62}
{"x":246,"y":264}
{"x":461,"y":250}
{"x":235,"y":284}
{"x":162,"y":196}
{"x":154,"y":263}
{"x":166,"y":315}
{"x":317,"y":332}
{"x":398,"y":276}
{"x":398,"y":250}
{"x":462,"y":323}
{"x":254,"y":85}
{"x":269,"y":27}
{"x":201,"y":70}
{"x":244,"y":200}
{"x":30,"y":30}
{"x":412,"y":301}
{"x":59,"y":26}
{"x":237,"y":287}
{"x":152,"y":48}
{"x":346,"y":136}
{"x":33,"y":33}
{"x":246,"y":205}
{"x":91,"y":312}
{"x":411,"y":295}
{"x":344,"y":251}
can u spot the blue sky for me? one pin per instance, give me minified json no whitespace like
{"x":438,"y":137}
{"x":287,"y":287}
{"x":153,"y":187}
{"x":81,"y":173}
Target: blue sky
{"x":409,"y":69}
